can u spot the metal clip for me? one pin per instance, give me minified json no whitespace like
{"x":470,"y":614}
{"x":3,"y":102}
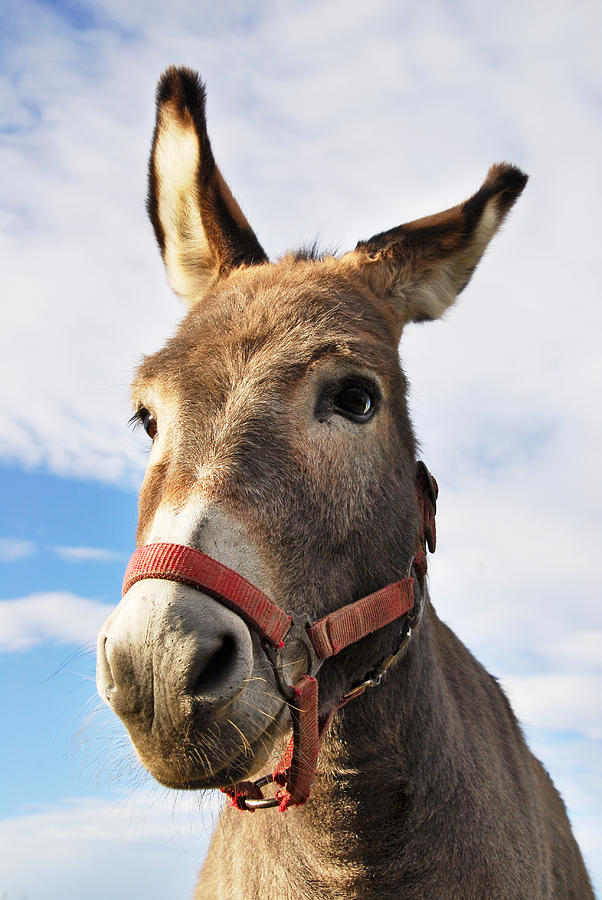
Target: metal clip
{"x":374,"y":679}
{"x":264,"y":802}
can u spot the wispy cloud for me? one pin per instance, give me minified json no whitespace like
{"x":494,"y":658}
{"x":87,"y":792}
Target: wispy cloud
{"x":483,"y":94}
{"x":559,"y":701}
{"x":155,"y":840}
{"x":13,"y":549}
{"x":58,"y":617}
{"x":88,"y":554}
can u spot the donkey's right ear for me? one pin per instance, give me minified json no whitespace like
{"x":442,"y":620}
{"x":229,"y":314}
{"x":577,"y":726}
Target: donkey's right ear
{"x":200,"y":228}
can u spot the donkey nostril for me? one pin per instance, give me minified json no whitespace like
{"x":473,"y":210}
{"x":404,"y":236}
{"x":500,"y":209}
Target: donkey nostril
{"x":214,"y":671}
{"x":106,"y":681}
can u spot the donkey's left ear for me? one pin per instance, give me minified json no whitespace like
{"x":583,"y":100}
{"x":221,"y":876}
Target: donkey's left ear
{"x":200,"y":228}
{"x":420,"y":268}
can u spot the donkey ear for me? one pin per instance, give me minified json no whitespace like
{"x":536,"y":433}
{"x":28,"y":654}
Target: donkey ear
{"x":200,"y":228}
{"x":421,"y":267}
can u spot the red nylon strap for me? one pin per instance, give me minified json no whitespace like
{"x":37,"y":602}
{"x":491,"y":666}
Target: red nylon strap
{"x":296,"y":770}
{"x":348,"y":624}
{"x":176,"y":562}
{"x":242,"y":791}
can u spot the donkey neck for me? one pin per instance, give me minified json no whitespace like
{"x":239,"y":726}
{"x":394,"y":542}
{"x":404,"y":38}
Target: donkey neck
{"x":390,"y":757}
{"x":396,"y":750}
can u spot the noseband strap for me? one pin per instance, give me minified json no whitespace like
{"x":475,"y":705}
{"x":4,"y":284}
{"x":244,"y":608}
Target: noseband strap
{"x":177,"y":562}
{"x":296,"y":770}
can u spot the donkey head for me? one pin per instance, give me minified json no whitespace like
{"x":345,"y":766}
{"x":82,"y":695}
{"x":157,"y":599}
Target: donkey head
{"x":281,"y":446}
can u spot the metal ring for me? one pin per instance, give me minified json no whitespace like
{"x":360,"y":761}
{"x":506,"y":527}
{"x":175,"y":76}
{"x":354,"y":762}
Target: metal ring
{"x":263,"y":802}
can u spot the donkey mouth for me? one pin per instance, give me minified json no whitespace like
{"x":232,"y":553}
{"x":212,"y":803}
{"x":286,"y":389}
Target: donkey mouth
{"x":214,"y":757}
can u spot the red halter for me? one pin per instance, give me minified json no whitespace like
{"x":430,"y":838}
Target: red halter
{"x":296,"y":770}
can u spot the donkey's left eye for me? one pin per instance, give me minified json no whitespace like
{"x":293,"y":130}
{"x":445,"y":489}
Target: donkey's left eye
{"x":355,"y":401}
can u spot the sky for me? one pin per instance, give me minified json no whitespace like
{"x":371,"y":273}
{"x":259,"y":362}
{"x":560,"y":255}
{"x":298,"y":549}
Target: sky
{"x":331,"y":120}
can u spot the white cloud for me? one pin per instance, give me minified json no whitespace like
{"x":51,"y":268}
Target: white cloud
{"x":558,"y":702}
{"x":13,"y":549}
{"x":349,"y":159}
{"x":144,"y":844}
{"x":58,"y":617}
{"x":87,"y":554}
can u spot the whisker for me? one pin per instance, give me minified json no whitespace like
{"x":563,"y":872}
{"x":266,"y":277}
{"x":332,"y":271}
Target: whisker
{"x":246,"y":745}
{"x":257,"y":709}
{"x":78,"y":653}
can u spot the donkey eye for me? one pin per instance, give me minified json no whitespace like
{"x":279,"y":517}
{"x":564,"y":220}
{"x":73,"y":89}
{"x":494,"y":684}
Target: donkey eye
{"x":149,"y":422}
{"x":355,"y":401}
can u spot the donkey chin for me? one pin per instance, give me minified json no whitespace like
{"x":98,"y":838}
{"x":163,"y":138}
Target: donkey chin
{"x":191,"y":684}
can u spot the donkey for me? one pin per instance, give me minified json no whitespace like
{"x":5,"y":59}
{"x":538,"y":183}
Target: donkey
{"x":281,"y":567}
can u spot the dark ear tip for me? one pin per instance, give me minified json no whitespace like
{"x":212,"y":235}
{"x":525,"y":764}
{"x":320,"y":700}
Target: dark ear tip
{"x":182,"y":85}
{"x":507,"y":182}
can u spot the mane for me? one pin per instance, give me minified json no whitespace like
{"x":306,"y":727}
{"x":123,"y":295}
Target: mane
{"x":313,"y":252}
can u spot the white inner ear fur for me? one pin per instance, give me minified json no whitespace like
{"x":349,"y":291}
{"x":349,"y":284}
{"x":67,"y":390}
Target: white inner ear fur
{"x":187,"y":256}
{"x":429,"y":296}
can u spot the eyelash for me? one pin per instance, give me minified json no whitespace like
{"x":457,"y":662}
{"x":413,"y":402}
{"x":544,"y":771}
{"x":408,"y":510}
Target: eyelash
{"x":145,"y":418}
{"x":135,"y":422}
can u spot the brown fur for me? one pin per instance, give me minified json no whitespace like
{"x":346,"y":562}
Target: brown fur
{"x":425,"y":787}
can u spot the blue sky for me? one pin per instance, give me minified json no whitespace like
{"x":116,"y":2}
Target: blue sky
{"x":55,"y":672}
{"x":331,"y":120}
